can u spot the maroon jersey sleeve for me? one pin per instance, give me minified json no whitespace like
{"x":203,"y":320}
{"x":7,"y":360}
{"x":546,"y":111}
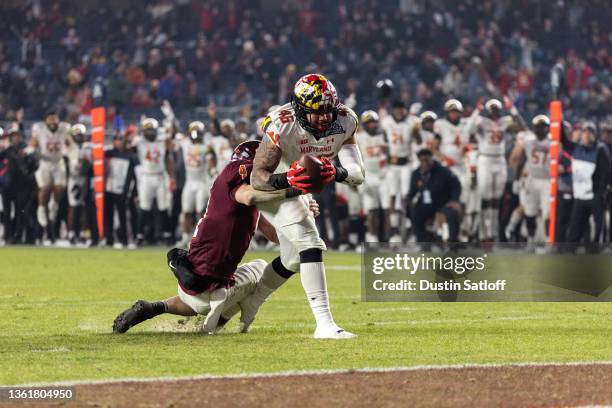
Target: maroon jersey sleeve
{"x":242,"y":173}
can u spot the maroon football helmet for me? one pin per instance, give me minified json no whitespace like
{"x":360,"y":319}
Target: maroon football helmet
{"x":245,"y":150}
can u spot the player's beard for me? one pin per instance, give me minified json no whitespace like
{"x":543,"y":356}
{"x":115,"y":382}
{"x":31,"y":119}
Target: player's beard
{"x":541,"y":134}
{"x":52,"y":128}
{"x":322,"y":126}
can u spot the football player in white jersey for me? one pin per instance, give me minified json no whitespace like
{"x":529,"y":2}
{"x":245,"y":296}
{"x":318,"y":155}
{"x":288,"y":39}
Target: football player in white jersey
{"x":453,"y":132}
{"x":49,"y":138}
{"x":374,"y":193}
{"x":454,"y":135}
{"x":199,"y":159}
{"x":316,"y":123}
{"x":492,"y":173}
{"x":154,"y":162}
{"x":530,"y":158}
{"x":223,"y":152}
{"x":424,"y":135}
{"x":398,"y":128}
{"x":79,"y":153}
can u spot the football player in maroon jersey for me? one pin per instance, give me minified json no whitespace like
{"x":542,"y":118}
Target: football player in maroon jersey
{"x":210,"y":280}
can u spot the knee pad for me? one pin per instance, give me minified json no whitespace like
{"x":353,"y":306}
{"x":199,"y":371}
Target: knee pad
{"x":486,"y":204}
{"x":495,"y":203}
{"x":311,"y":255}
{"x":280,"y":269}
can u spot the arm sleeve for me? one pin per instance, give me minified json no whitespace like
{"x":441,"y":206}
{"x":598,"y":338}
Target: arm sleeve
{"x":351,"y":161}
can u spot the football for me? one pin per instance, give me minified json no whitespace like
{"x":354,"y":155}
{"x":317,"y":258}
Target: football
{"x":313,"y":164}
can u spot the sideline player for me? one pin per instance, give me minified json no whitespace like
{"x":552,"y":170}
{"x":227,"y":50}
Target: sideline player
{"x":313,"y":122}
{"x":374,"y":193}
{"x":49,"y":138}
{"x":199,"y":159}
{"x":398,"y":128}
{"x":211,"y":282}
{"x":490,"y":130}
{"x":78,"y":151}
{"x":155,"y":160}
{"x":530,"y":158}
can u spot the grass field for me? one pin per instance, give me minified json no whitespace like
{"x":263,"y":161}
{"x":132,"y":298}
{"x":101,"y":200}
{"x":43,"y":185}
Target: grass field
{"x":57,"y":307}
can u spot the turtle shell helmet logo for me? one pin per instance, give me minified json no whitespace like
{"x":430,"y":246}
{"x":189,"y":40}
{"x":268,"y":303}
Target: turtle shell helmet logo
{"x":314,"y":93}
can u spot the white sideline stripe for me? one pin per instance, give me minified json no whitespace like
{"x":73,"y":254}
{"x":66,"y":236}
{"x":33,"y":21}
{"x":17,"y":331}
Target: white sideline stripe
{"x":343,"y":267}
{"x":293,"y":373}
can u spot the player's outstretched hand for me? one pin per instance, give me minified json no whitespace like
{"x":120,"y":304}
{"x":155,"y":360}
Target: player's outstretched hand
{"x":328,"y":170}
{"x":297,"y":179}
{"x":508,"y":103}
{"x":314,"y":208}
{"x":480,"y":104}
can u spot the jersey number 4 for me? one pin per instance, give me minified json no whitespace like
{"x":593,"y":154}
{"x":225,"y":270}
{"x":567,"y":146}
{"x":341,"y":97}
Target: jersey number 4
{"x":152,"y":156}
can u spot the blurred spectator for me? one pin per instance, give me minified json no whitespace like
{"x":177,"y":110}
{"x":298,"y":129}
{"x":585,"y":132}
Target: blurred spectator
{"x":434,"y":49}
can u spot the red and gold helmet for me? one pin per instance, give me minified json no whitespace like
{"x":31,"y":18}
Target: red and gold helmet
{"x":313,"y":93}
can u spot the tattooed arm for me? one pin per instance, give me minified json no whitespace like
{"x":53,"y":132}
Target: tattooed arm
{"x":266,"y":160}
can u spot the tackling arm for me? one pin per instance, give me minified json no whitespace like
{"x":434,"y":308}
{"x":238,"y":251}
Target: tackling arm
{"x":248,"y":195}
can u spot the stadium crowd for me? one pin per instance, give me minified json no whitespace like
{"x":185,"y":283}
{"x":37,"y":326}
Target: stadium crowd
{"x":227,"y":63}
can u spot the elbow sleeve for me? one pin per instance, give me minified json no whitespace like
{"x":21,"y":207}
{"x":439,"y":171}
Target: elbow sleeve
{"x":352,"y":163}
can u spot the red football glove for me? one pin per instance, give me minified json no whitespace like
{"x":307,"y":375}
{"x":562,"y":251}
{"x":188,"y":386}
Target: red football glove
{"x":296,"y":180}
{"x":328,"y":170}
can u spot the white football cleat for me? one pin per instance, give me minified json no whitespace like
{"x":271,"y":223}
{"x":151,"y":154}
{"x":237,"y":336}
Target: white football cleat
{"x":395,"y":239}
{"x":217,"y":301}
{"x":371,"y":238}
{"x":248,"y":310}
{"x":333,"y":333}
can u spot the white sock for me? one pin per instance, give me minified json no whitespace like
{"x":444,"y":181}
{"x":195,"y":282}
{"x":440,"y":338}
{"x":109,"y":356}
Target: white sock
{"x":495,"y":223}
{"x":41,"y":215}
{"x":312,"y":275}
{"x":515,"y":218}
{"x":394,"y":219}
{"x":482,"y":225}
{"x":53,"y":208}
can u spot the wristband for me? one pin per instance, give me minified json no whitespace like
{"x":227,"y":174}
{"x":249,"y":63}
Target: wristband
{"x":292,"y":192}
{"x":278,"y":181}
{"x":341,"y":174}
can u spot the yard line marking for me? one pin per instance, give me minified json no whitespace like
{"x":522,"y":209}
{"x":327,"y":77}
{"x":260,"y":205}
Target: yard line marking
{"x":293,"y":373}
{"x":51,"y":350}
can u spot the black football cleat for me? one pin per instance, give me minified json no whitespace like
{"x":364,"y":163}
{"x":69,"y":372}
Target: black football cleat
{"x":138,"y":313}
